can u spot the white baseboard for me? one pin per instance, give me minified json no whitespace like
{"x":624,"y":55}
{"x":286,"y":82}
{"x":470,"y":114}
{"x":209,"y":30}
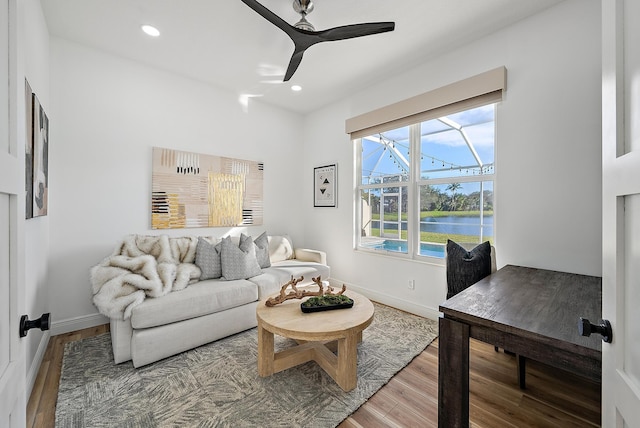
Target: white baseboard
{"x":77,"y":323}
{"x":386,"y":299}
{"x":32,"y":373}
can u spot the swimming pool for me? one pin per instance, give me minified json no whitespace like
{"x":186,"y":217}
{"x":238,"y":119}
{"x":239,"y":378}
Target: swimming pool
{"x":426,"y":249}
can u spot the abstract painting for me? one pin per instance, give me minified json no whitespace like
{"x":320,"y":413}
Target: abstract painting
{"x":40,"y":159}
{"x":28,"y":152}
{"x":36,"y":157}
{"x":198,"y":190}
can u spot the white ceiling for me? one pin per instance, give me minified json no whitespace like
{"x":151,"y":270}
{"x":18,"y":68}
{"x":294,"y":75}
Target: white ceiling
{"x":227,"y":44}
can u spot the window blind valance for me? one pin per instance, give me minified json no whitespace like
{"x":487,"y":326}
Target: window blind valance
{"x":475,"y":91}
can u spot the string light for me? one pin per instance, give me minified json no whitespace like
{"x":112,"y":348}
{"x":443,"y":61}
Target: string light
{"x":396,"y":155}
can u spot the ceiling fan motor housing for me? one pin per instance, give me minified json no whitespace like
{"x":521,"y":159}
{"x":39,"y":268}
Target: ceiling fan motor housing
{"x":303,"y":8}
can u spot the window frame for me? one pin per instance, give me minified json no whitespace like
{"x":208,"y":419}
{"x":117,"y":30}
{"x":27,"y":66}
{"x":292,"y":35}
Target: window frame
{"x":413,"y":185}
{"x":481,"y":89}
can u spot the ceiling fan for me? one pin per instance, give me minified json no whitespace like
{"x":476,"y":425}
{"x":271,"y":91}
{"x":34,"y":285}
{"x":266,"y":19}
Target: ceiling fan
{"x":304,"y":35}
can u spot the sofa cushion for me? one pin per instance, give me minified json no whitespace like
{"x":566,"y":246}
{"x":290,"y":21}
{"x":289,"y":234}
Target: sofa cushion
{"x":280,"y":248}
{"x":208,"y":259}
{"x":201,"y":298}
{"x":274,"y":277}
{"x":239,"y":262}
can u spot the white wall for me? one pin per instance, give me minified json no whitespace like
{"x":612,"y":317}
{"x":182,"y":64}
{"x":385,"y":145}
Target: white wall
{"x":33,"y":64}
{"x":548,"y":186}
{"x":109,"y":113}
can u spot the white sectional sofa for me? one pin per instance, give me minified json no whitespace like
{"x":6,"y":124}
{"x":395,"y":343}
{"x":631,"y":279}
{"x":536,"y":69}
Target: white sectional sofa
{"x":205,"y":310}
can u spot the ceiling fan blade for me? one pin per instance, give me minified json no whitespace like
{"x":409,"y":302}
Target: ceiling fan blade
{"x":355,"y":30}
{"x":303,"y":38}
{"x":296,"y":58}
{"x":269,"y":16}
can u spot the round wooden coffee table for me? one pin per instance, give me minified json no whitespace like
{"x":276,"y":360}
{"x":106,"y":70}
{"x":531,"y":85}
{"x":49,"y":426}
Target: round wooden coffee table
{"x":318,"y":334}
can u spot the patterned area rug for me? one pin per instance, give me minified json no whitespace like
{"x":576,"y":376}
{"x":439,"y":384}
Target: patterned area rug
{"x":217,"y":385}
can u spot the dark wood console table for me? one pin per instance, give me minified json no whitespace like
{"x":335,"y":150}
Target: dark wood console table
{"x":531,"y":312}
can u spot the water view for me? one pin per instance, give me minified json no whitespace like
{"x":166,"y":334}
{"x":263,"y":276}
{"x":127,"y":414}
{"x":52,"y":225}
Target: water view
{"x":453,"y":225}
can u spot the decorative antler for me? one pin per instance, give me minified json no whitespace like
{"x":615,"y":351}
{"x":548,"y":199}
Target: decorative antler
{"x":299,"y":294}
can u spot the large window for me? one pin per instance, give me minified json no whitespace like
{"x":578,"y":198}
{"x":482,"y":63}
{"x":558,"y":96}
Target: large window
{"x":423,"y":183}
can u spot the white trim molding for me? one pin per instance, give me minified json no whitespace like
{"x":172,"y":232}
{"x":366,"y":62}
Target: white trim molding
{"x":389,"y":300}
{"x":77,"y":323}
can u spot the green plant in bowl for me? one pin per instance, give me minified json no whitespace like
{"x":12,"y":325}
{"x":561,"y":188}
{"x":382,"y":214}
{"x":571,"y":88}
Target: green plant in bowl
{"x":326,"y":302}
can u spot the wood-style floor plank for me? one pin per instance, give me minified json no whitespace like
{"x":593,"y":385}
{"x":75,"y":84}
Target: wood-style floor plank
{"x":553,"y":398}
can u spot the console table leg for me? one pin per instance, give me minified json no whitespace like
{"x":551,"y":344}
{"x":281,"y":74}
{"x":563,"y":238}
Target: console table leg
{"x":453,"y":374}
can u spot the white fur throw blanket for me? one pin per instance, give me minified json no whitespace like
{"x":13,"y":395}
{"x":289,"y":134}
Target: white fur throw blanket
{"x":141,"y":267}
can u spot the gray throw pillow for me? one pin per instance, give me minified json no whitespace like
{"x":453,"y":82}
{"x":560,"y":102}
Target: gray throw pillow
{"x":208,"y":259}
{"x":239,"y":262}
{"x":465,"y":268}
{"x":262,"y":249}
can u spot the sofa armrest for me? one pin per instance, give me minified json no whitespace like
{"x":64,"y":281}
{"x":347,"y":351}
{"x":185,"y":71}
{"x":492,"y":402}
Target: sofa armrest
{"x":307,"y":255}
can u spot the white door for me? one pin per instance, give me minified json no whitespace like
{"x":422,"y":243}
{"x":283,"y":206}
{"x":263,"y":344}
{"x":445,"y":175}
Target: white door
{"x":12,"y":365}
{"x":621,"y":212}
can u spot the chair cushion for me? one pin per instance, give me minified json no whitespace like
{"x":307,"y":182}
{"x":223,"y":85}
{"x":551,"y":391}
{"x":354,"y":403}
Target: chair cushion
{"x":465,"y":268}
{"x":201,"y":298}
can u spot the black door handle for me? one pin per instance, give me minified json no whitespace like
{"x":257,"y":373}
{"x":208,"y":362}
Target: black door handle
{"x":26,"y":324}
{"x":585,"y":328}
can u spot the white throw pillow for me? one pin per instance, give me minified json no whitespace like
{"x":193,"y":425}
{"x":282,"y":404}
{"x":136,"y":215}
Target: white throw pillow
{"x":280,"y":248}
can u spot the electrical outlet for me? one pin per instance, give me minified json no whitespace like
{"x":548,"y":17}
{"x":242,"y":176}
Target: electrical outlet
{"x":412,"y":284}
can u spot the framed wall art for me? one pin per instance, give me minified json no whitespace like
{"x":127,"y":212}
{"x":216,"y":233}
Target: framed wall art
{"x":28,"y":151}
{"x":40,"y":159}
{"x":198,"y":190}
{"x":36,"y":156}
{"x":325,"y":186}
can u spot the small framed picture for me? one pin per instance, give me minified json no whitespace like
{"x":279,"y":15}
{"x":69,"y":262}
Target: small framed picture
{"x":325,"y":185}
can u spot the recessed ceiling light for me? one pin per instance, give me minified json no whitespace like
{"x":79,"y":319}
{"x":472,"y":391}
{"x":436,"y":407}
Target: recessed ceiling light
{"x":296,"y":88}
{"x":150,"y":30}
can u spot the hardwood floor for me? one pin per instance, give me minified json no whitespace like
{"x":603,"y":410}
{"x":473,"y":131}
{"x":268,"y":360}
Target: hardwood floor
{"x":553,"y":398}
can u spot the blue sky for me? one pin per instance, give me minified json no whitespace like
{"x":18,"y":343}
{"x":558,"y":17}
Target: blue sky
{"x":440,"y":144}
